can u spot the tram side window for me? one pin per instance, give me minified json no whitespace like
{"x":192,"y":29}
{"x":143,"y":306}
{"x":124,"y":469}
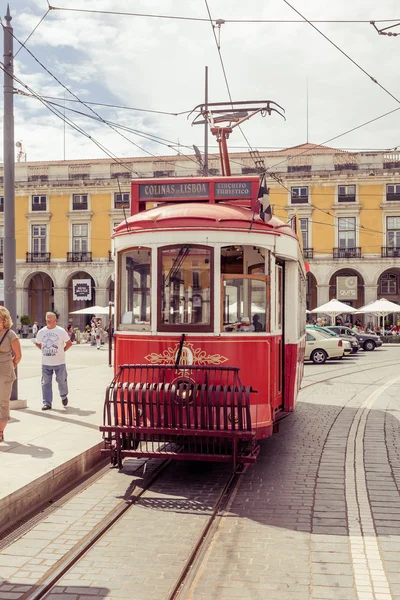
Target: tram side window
{"x":134,"y":285}
{"x":186,"y":279}
{"x":245,"y":305}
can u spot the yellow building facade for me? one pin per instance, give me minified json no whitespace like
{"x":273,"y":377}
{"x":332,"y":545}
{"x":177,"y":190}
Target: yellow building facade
{"x":347,"y":206}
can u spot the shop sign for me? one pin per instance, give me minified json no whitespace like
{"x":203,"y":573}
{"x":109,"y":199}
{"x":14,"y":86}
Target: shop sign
{"x":82,"y":289}
{"x":346,"y":288}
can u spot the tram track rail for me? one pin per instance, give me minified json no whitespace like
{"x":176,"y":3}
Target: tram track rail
{"x":186,"y":580}
{"x":46,"y":583}
{"x":342,"y":374}
{"x":192,"y":563}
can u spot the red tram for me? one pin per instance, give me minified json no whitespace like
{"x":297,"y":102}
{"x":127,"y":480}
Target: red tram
{"x":209,"y":322}
{"x":209,"y":316}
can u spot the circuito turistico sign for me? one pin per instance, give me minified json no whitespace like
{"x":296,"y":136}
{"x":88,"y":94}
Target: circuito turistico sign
{"x":346,"y":288}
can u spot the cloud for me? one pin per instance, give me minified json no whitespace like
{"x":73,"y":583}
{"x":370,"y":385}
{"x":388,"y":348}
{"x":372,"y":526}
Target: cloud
{"x":159,"y":64}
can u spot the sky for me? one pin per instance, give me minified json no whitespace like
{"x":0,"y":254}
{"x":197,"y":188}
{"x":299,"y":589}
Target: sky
{"x":158,"y":64}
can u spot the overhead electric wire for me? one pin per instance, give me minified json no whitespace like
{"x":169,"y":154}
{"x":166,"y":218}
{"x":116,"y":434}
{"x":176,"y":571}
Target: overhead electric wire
{"x":77,"y":98}
{"x":202,"y":19}
{"x":223,"y":69}
{"x":146,"y":110}
{"x":33,"y":31}
{"x":343,"y":52}
{"x":72,"y":124}
{"x":144,"y":135}
{"x":310,"y":150}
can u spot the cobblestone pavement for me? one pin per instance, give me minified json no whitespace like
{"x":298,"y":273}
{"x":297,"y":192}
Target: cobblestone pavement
{"x":318,"y":517}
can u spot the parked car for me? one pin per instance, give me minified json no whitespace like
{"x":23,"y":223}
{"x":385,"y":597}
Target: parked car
{"x":320,"y":346}
{"x":355,"y":346}
{"x":367,"y":341}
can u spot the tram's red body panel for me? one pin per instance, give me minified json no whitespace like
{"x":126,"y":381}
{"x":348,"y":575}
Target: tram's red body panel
{"x":216,"y":385}
{"x":258,"y":359}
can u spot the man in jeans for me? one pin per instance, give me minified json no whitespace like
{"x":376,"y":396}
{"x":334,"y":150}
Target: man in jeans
{"x":53,"y":341}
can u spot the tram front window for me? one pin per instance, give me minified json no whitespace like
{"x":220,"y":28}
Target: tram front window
{"x":135,"y":288}
{"x":186,"y":288}
{"x":245,"y":303}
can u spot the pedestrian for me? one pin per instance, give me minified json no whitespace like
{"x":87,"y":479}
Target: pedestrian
{"x":97,"y":333}
{"x":93,"y":333}
{"x":10,"y":356}
{"x":35,"y":329}
{"x":53,"y":341}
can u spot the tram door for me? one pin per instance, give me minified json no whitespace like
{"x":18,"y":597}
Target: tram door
{"x":280,"y":325}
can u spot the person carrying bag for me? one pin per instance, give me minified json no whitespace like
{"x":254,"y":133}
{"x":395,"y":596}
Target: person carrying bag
{"x":10,"y":356}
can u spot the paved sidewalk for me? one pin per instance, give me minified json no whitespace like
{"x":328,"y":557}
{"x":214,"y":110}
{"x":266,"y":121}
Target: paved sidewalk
{"x":40,"y":444}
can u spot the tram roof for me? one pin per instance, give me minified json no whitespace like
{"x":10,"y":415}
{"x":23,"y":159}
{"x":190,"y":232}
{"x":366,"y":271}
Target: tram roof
{"x":201,"y":216}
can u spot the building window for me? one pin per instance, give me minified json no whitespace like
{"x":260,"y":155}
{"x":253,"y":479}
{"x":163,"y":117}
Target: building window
{"x":250,"y":170}
{"x":393,"y":232}
{"x":297,"y":168}
{"x":80,"y":237}
{"x":79,"y":202}
{"x":33,"y":178}
{"x":347,"y":232}
{"x":1,"y":203}
{"x":347,"y":193}
{"x":388,"y":284}
{"x":122,"y":175}
{"x":393,"y":192}
{"x":122,"y":200}
{"x":163,"y":173}
{"x":39,"y":239}
{"x":39,"y":203}
{"x":299,"y":195}
{"x":304,"y":232}
{"x":78,"y":176}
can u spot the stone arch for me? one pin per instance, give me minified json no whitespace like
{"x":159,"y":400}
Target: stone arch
{"x":39,"y":290}
{"x":311,"y":291}
{"x":388,"y":284}
{"x":357,"y":270}
{"x":27,"y":276}
{"x":80,"y":321}
{"x":355,"y":302}
{"x":110,"y":287}
{"x":67,"y":276}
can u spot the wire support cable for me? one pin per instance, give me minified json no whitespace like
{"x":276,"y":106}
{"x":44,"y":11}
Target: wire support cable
{"x":33,"y":31}
{"x":204,"y":20}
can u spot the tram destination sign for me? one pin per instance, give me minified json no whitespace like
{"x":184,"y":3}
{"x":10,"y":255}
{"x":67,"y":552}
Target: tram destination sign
{"x":151,"y":191}
{"x":232,"y":189}
{"x":199,"y":190}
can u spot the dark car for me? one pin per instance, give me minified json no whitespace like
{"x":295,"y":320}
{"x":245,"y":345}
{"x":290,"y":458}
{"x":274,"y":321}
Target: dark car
{"x":367,"y":341}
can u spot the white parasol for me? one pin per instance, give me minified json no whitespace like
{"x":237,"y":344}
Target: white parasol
{"x":333,"y":308}
{"x":380,"y":308}
{"x":92,"y":310}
